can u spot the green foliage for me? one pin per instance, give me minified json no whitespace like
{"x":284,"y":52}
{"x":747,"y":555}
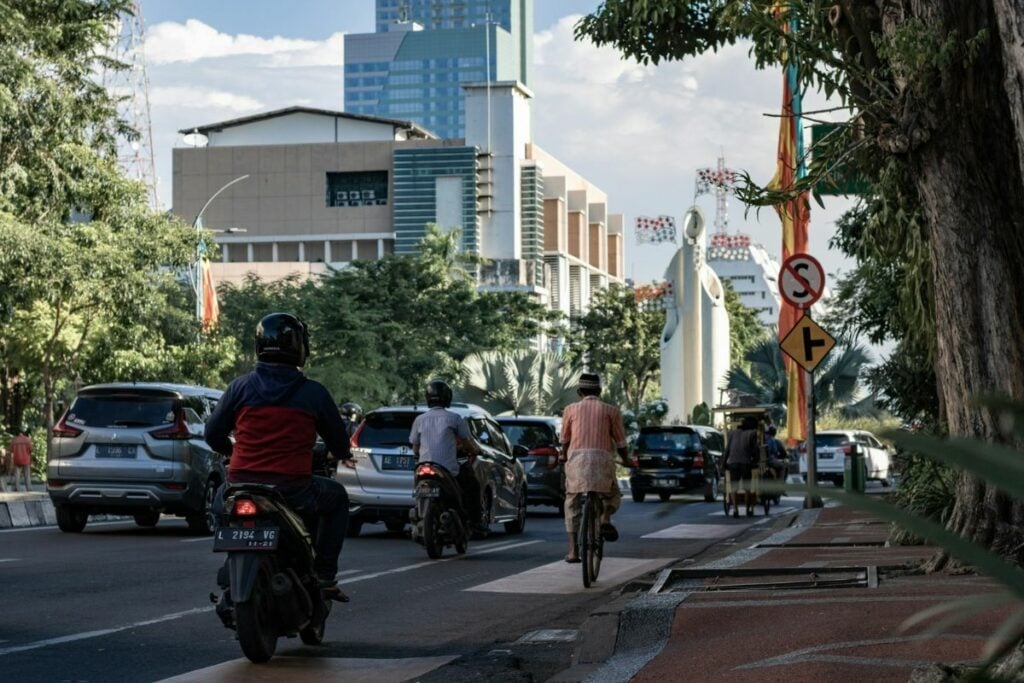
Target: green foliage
{"x":745,"y":329}
{"x":619,"y":337}
{"x":701,"y":415}
{"x":519,"y":382}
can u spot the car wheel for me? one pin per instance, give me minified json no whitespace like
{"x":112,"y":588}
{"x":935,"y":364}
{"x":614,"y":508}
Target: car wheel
{"x":711,"y":490}
{"x":638,"y":496}
{"x":838,"y":481}
{"x":664,"y":497}
{"x":395,"y":525}
{"x":517,"y":525}
{"x":203,"y":522}
{"x":70,"y":520}
{"x":147,"y":519}
{"x":354,"y":527}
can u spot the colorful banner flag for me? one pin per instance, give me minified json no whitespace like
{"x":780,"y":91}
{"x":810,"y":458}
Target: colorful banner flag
{"x":795,"y":217}
{"x":655,"y":230}
{"x":710,"y":179}
{"x":210,"y":312}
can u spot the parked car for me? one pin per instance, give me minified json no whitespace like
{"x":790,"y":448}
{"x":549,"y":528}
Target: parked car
{"x":380,"y":487}
{"x":832,"y":448}
{"x":545,"y":474}
{"x":135,"y":449}
{"x":676,"y":459}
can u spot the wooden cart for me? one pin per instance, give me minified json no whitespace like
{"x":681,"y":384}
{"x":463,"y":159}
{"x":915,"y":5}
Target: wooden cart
{"x":751,"y":494}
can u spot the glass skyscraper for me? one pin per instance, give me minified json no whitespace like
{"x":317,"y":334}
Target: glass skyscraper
{"x":414,"y":66}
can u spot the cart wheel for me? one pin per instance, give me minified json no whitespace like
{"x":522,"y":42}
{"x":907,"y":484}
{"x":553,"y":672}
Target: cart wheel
{"x":767,"y":505}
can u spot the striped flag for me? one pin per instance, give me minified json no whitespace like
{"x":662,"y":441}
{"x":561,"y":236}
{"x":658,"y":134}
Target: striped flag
{"x":795,"y":217}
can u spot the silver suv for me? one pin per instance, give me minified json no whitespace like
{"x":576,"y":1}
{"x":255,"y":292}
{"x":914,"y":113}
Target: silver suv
{"x":135,"y":449}
{"x":380,"y":487}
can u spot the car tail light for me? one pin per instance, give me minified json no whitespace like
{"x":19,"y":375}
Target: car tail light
{"x":635,"y":457}
{"x":426,"y":470}
{"x":175,"y":487}
{"x":65,"y":431}
{"x":245,"y":507}
{"x":549,"y":454}
{"x":179,"y":430}
{"x":55,"y":483}
{"x":354,"y":441}
{"x":698,"y":460}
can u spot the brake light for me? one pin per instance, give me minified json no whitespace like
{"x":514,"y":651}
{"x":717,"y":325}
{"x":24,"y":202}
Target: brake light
{"x":635,"y":458}
{"x":65,"y":431}
{"x":175,"y":487}
{"x":245,"y":508}
{"x":179,"y":430}
{"x":426,"y":470}
{"x":698,"y":459}
{"x":354,"y":441}
{"x":549,"y":454}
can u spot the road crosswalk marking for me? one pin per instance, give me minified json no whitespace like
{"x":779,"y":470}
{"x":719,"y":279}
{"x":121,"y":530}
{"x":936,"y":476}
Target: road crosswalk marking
{"x":302,"y":669}
{"x":564,"y":578}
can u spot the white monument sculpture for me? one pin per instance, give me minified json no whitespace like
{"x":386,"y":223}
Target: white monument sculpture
{"x":695,"y":341}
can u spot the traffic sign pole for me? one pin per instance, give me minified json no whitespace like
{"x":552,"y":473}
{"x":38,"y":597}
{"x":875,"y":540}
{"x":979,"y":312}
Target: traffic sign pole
{"x":812,"y":499}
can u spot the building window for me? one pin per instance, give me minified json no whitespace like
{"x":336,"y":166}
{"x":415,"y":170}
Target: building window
{"x":364,"y":188}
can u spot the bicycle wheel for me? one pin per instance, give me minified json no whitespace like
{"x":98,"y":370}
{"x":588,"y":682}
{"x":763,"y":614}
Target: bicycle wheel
{"x":595,"y":562}
{"x":589,"y":540}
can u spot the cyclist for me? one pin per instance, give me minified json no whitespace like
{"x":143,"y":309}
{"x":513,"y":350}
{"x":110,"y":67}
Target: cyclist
{"x":591,"y":431}
{"x":740,"y":456}
{"x":437,"y":436}
{"x":275,"y":413}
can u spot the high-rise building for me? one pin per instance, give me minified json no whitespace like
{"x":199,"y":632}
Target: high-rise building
{"x":414,"y":65}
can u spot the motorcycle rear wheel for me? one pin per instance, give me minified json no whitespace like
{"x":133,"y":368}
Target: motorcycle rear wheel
{"x":254,"y":620}
{"x":432,"y":535}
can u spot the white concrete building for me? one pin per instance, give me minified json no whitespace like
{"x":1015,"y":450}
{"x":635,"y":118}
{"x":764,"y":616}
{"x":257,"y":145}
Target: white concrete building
{"x":752,"y":272}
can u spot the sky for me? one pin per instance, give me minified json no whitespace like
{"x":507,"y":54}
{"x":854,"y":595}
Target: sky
{"x":638,"y":132}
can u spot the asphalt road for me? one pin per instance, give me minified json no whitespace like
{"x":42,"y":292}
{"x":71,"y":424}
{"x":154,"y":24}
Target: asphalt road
{"x":120,"y":603}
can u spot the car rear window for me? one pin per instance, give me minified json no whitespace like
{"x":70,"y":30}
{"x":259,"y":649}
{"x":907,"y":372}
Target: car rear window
{"x":529,"y":434}
{"x":386,"y":429}
{"x":830,"y":440}
{"x":667,"y":440}
{"x":122,"y":410}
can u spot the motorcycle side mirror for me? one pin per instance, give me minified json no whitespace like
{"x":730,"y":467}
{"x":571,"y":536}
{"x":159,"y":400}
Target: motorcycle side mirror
{"x":519,"y":451}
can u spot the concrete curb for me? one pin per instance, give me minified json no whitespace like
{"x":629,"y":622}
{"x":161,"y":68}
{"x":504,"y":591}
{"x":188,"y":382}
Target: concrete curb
{"x":34,"y":511}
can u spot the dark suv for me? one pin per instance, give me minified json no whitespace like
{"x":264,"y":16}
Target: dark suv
{"x":676,"y":459}
{"x":380,"y":487}
{"x":545,"y":476}
{"x":135,"y":449}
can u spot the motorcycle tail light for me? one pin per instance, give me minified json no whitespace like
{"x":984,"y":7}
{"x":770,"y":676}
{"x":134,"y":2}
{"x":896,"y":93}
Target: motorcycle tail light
{"x":426,"y":470}
{"x":245,"y":508}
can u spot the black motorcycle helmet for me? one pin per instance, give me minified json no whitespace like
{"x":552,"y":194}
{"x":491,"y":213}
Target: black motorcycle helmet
{"x":352,"y":411}
{"x":439,"y":394}
{"x":282,"y":338}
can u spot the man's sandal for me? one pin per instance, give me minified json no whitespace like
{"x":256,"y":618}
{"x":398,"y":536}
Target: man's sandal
{"x":572,"y":560}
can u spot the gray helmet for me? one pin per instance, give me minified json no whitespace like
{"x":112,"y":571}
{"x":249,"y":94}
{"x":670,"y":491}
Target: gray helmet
{"x":351,"y":410}
{"x":439,"y":394}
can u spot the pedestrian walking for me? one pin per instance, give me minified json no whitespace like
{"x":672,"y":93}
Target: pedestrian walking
{"x":5,"y":468}
{"x":21,"y":457}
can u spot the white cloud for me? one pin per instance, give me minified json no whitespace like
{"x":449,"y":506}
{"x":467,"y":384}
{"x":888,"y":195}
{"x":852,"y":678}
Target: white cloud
{"x":170,"y":42}
{"x":198,"y":97}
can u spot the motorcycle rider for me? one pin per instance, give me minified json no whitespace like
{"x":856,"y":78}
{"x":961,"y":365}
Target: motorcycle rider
{"x":275,"y":413}
{"x":437,"y":436}
{"x":352,"y":413}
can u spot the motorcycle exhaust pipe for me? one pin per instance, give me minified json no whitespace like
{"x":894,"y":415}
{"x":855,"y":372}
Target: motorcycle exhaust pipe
{"x":292,"y":602}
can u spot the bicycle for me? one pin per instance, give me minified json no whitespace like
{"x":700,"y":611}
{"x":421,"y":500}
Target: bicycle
{"x":589,"y":538}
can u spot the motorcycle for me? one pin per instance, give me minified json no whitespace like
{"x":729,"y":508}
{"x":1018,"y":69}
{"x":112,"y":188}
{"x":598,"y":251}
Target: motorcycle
{"x":437,"y":517}
{"x":270,"y":587}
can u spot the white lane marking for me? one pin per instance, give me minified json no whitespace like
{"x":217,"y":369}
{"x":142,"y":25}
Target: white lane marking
{"x":564,"y":578}
{"x":428,"y":563}
{"x":10,"y":559}
{"x":102,"y":632}
{"x":316,"y":669}
{"x":53,"y":527}
{"x":698,"y":531}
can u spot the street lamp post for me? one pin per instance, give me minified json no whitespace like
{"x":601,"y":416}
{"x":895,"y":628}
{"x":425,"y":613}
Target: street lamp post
{"x":201,"y":249}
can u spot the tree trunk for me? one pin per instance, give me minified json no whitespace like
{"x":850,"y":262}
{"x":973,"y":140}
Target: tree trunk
{"x":970,"y":175}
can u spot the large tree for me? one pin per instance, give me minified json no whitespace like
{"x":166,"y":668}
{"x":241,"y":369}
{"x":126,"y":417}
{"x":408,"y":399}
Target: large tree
{"x":936,"y":88}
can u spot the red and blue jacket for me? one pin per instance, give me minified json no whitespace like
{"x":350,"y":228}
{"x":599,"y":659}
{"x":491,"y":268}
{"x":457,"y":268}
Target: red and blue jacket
{"x":275,"y":413}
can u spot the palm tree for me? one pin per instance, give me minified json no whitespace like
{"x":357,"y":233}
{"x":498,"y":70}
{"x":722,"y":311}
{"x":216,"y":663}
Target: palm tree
{"x":444,"y":247}
{"x":836,"y":380}
{"x":519,"y":383}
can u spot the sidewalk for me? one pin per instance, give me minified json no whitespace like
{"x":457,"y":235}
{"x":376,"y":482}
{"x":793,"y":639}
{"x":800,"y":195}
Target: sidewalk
{"x":26,"y":508}
{"x":821,"y":599}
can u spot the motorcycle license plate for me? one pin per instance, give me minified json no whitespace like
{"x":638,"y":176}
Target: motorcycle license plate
{"x":428,"y":493}
{"x":228,"y":539}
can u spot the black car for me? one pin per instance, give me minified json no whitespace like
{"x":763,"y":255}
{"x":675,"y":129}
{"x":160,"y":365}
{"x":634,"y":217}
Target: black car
{"x":676,"y":459}
{"x":545,"y":475}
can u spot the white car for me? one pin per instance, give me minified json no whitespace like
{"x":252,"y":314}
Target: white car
{"x":832,"y":448}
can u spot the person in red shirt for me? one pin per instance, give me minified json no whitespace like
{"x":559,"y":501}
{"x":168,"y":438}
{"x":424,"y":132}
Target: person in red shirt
{"x":21,"y":457}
